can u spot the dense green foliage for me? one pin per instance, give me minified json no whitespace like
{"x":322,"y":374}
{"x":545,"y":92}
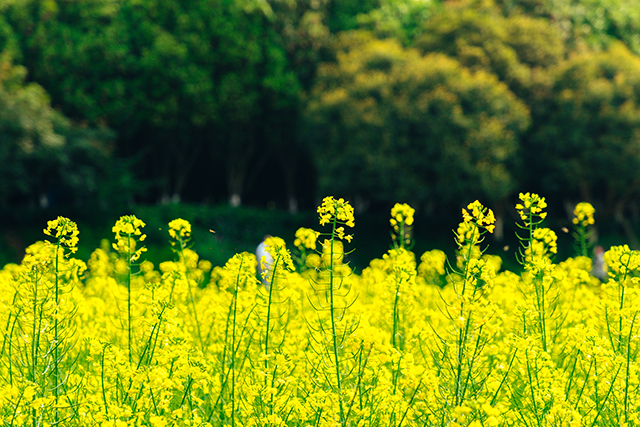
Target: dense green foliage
{"x":280,"y":100}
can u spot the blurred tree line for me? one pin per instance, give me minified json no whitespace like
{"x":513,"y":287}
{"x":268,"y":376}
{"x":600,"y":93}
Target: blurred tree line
{"x":429,"y":102}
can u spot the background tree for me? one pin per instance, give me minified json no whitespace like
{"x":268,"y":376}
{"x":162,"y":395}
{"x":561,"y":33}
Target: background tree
{"x":519,"y":49}
{"x":587,"y":144}
{"x":44,"y":157}
{"x":585,"y":24}
{"x":385,"y":122}
{"x":187,"y":84}
{"x":27,"y":134}
{"x":399,"y":19}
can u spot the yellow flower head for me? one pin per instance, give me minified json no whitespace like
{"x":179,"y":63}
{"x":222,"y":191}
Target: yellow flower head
{"x":277,"y":248}
{"x":401,"y":222}
{"x":205,"y":265}
{"x":401,"y":213}
{"x":65,"y":230}
{"x":179,"y":228}
{"x":584,"y":214}
{"x":340,"y":210}
{"x":621,"y":260}
{"x":476,"y":219}
{"x":532,"y":205}
{"x":479,"y":215}
{"x":545,"y":241}
{"x":127,"y":231}
{"x":467,"y":233}
{"x":432,"y":264}
{"x":305,"y":238}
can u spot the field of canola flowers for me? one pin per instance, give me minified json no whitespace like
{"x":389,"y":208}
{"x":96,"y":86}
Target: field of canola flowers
{"x":117,"y":341}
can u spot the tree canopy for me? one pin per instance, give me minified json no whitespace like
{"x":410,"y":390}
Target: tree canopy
{"x":426,"y":101}
{"x":390,"y":122}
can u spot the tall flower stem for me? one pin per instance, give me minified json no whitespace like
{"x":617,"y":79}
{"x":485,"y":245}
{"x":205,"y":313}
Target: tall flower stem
{"x":334,"y":333}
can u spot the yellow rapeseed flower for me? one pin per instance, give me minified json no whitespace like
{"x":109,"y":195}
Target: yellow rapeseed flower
{"x":305,"y":238}
{"x":547,"y":238}
{"x":621,"y":260}
{"x":479,"y":215}
{"x":401,"y":222}
{"x":277,"y":248}
{"x":179,"y":227}
{"x":128,"y":231}
{"x":65,"y":230}
{"x":401,"y":213}
{"x":339,"y":209}
{"x":584,"y":214}
{"x":531,"y":206}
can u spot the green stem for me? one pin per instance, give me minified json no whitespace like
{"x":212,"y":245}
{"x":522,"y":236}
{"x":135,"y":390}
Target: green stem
{"x":396,"y":317}
{"x":533,"y":395}
{"x":606,"y":397}
{"x":191,"y":299}
{"x":463,"y":334}
{"x":268,"y":325}
{"x":233,"y":347}
{"x":266,"y":339}
{"x":584,"y":384}
{"x":129,"y":294}
{"x":104,"y":394}
{"x":627,"y":379}
{"x":56,"y":373}
{"x":333,"y":324}
{"x":413,"y":396}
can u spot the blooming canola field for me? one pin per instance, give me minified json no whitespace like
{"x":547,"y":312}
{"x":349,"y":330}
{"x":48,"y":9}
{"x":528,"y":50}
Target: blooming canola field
{"x":412,"y":340}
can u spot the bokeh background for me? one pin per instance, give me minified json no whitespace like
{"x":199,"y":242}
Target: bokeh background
{"x":240,"y":115}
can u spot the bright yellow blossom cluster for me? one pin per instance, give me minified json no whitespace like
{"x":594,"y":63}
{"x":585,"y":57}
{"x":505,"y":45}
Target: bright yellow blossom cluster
{"x":401,"y":225}
{"x":179,"y":228}
{"x":339,"y":210}
{"x":432,"y":266}
{"x":476,"y":220}
{"x":622,"y":261}
{"x":128,"y":232}
{"x":401,"y":213}
{"x":583,"y":220}
{"x":305,"y":238}
{"x":65,"y":230}
{"x":479,"y":215}
{"x":531,"y":206}
{"x":583,"y":214}
{"x":340,"y":234}
{"x":467,"y":233}
{"x":277,"y":248}
{"x":545,"y":241}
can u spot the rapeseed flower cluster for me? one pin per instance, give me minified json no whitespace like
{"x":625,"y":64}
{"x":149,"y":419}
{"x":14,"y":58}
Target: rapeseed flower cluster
{"x":409,"y":341}
{"x":531,"y":206}
{"x":65,"y":231}
{"x":583,"y":214}
{"x":179,"y":229}
{"x":583,"y":221}
{"x":128,"y":233}
{"x":544,"y":243}
{"x":401,"y":224}
{"x":305,"y":238}
{"x":338,"y":210}
{"x":479,"y":215}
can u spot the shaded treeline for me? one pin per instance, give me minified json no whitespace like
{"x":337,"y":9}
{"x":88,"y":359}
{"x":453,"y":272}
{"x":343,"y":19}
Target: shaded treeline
{"x":282,"y":101}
